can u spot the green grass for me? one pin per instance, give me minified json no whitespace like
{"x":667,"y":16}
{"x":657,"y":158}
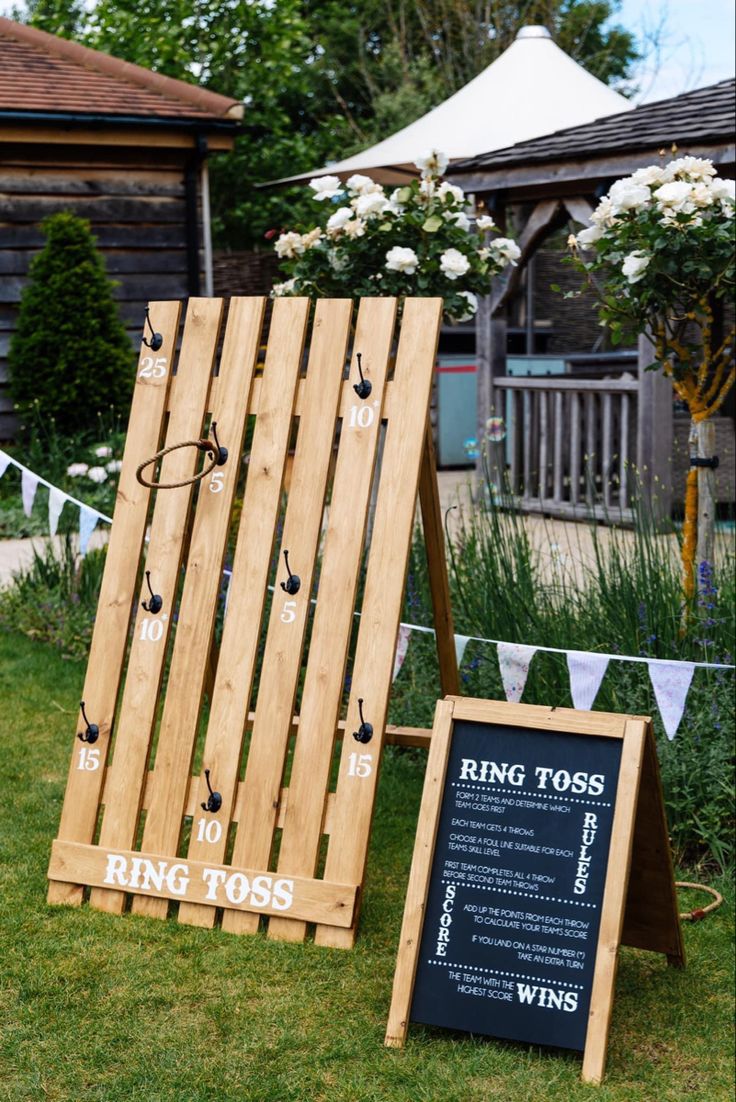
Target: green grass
{"x":109,"y":1009}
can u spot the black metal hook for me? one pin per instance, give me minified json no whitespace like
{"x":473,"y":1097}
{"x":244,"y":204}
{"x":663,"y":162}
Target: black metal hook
{"x":364,"y":387}
{"x":156,"y":339}
{"x":218,"y":450}
{"x":365,"y":731}
{"x":156,"y":602}
{"x":92,"y":731}
{"x":214,"y":800}
{"x":293,"y":583}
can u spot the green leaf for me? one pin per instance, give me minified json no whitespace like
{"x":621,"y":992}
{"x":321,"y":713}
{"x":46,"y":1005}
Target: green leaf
{"x":432,"y":224}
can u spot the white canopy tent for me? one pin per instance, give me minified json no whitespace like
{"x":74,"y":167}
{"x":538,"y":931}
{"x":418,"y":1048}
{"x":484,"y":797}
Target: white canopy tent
{"x":532,"y":89}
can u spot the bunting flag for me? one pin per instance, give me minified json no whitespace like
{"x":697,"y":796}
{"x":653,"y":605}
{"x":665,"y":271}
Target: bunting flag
{"x":28,"y":487}
{"x":514,"y":660}
{"x":586,"y":670}
{"x":57,"y":501}
{"x":402,"y":646}
{"x":671,"y":684}
{"x":461,"y":642}
{"x":87,"y":523}
{"x":4,"y":463}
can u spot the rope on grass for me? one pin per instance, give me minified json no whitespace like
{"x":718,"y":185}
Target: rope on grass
{"x":202,"y":445}
{"x":699,"y":913}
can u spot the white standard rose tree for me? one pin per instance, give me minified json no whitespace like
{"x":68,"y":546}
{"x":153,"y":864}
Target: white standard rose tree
{"x":414,"y":240}
{"x":660,"y":255}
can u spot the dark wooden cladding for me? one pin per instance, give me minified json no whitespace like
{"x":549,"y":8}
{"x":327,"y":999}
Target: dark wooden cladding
{"x":136,"y":203}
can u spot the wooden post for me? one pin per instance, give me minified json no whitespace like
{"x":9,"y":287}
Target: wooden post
{"x":490,"y":338}
{"x":706,"y":494}
{"x":654,"y":434}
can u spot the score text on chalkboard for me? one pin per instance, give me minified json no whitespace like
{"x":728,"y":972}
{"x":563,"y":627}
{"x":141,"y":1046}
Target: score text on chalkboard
{"x":541,"y":847}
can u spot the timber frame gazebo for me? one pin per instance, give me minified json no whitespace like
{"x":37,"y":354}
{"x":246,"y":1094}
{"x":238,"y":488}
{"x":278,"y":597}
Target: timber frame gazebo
{"x":573,"y":439}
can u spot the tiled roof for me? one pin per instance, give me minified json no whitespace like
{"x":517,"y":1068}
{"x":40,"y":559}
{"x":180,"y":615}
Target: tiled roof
{"x":707,"y":114}
{"x":40,"y":72}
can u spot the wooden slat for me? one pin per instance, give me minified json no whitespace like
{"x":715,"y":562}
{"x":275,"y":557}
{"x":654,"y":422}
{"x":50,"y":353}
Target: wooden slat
{"x":607,"y":460}
{"x":575,"y":433}
{"x":282,"y":659}
{"x":418,"y":886}
{"x":515,"y":432}
{"x":439,"y":583}
{"x":623,"y":468}
{"x":381,"y":608}
{"x":147,"y":652}
{"x":614,"y":896}
{"x":248,"y":583}
{"x":196,"y":619}
{"x":543,"y":443}
{"x":590,"y":450}
{"x":526,"y":442}
{"x":333,"y":615}
{"x":607,"y":724}
{"x":109,"y":637}
{"x":199,"y":881}
{"x":559,"y":425}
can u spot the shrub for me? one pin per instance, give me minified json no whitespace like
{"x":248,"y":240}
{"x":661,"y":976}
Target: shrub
{"x":70,"y":357}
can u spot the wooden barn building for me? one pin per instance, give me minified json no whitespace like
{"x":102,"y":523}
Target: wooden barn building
{"x":117,"y":144}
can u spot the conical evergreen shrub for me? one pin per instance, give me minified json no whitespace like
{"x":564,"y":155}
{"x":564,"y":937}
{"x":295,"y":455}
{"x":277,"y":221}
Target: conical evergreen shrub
{"x":70,"y":357}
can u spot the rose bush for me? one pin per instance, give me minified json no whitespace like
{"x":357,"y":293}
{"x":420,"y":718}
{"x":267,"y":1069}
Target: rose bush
{"x":659,"y":254}
{"x":416,"y":240}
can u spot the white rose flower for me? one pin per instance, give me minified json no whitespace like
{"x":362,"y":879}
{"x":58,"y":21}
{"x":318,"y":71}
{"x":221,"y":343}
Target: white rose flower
{"x":103,"y":452}
{"x":505,"y":249}
{"x":588,"y":237}
{"x":651,"y":176}
{"x":635,"y":265}
{"x":701,"y":195}
{"x":693,"y":168}
{"x":454,"y":264}
{"x":373,"y":203}
{"x":627,"y":195}
{"x":337,"y":220}
{"x":355,"y":228}
{"x":289,"y":245}
{"x":676,"y":195}
{"x":485,"y":222}
{"x":114,"y":466}
{"x":97,"y":474}
{"x":403,"y":260}
{"x":284,"y":288}
{"x":432,"y":163}
{"x":603,"y":215}
{"x":326,"y":187}
{"x":725,"y":190}
{"x":310,"y":239}
{"x":362,"y":185}
{"x":393,"y":201}
{"x":452,"y":190}
{"x":76,"y":470}
{"x":460,"y":219}
{"x":472,"y":301}
{"x":427,"y":188}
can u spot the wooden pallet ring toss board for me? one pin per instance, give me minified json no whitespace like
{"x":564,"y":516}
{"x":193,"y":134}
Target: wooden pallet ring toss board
{"x":536,"y":825}
{"x":123,"y":829}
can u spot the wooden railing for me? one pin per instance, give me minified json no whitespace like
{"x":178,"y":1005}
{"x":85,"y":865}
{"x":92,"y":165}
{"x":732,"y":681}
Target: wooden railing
{"x":570,"y":444}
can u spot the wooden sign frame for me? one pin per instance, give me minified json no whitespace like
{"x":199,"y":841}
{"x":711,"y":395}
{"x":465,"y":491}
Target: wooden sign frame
{"x":162,"y":699}
{"x":639,"y":905}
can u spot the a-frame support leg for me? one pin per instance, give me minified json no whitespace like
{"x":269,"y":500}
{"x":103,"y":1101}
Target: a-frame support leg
{"x":439,"y":586}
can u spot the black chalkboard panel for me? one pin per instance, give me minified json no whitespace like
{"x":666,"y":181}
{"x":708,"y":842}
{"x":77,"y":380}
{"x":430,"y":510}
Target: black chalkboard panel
{"x":510,"y":929}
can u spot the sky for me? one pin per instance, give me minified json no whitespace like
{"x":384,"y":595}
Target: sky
{"x":696,"y":48}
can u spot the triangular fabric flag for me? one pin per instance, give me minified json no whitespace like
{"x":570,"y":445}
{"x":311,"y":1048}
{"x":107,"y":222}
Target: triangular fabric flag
{"x":586,"y":673}
{"x":57,"y":501}
{"x":671,"y":684}
{"x":28,"y":487}
{"x":461,"y":642}
{"x":4,"y":463}
{"x":87,"y":523}
{"x":402,"y":646}
{"x":514,"y":660}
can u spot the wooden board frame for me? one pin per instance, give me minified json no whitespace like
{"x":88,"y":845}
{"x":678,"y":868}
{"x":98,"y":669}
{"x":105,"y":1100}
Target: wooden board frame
{"x":136,"y":824}
{"x":627,"y":916}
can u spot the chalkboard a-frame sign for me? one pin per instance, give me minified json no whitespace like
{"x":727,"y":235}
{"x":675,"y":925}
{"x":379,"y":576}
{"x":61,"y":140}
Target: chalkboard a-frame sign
{"x":541,"y":847}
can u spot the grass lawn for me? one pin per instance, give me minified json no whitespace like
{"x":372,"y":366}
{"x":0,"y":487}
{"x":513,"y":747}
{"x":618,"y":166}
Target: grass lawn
{"x":100,"y":1008}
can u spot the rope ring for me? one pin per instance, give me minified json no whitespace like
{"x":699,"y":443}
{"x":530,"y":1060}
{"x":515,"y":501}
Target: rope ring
{"x":700,"y":912}
{"x":202,"y":445}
